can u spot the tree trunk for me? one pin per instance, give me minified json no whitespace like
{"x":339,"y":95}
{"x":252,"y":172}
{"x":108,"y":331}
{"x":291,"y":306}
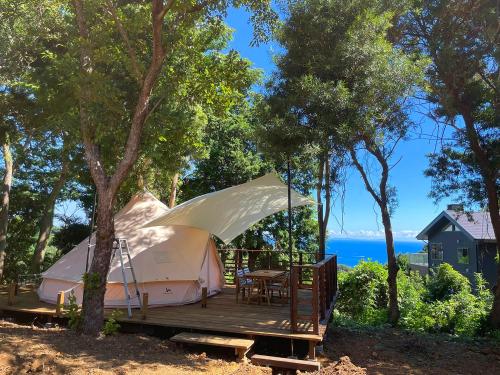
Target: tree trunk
{"x":382,"y":200}
{"x":45,"y":227}
{"x":489,"y":175}
{"x":108,"y":186}
{"x":95,"y":279}
{"x":173,"y":190}
{"x":4,"y":213}
{"x":392,"y":266}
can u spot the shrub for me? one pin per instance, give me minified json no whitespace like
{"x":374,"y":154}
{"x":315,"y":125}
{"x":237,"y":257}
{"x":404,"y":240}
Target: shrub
{"x":461,"y":313}
{"x":111,"y":326}
{"x":444,"y":303}
{"x":445,"y":282}
{"x":411,"y":290}
{"x":73,"y":312}
{"x":403,"y":261}
{"x":363,"y":293}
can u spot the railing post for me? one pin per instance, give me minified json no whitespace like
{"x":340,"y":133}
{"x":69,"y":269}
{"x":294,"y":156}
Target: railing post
{"x":315,"y":300}
{"x":235,"y":266}
{"x":144,"y":307}
{"x":335,"y":273}
{"x":301,"y":262}
{"x":269,"y":259}
{"x":294,"y":299}
{"x":60,"y":303}
{"x":322,"y":291}
{"x":327,"y":285}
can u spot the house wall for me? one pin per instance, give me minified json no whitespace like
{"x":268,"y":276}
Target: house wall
{"x":451,"y":241}
{"x":487,"y":263}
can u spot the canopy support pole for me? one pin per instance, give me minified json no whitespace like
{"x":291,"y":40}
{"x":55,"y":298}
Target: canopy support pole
{"x":290,"y":255}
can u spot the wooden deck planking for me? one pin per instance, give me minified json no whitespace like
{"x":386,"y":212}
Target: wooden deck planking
{"x":222,"y":314}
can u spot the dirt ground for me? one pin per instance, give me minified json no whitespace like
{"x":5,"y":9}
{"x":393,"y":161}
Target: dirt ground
{"x":392,"y":351}
{"x":26,"y":349}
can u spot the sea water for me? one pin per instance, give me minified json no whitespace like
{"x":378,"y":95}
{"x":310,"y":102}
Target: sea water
{"x":351,"y":251}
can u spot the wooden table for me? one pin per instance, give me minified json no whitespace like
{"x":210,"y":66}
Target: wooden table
{"x":263,"y":277}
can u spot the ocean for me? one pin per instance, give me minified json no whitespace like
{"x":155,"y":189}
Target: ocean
{"x":351,"y":251}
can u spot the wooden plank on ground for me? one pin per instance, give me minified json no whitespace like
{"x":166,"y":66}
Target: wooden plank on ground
{"x":286,"y":363}
{"x":205,"y":339}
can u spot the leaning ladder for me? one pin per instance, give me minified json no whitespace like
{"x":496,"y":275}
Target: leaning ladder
{"x":120,"y":247}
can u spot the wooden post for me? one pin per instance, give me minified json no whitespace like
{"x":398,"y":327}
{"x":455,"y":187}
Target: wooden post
{"x":236,"y":256}
{"x":294,"y":298}
{"x":60,"y":303}
{"x":144,"y":307}
{"x":315,"y":300}
{"x":312,"y":350}
{"x":322,"y":292}
{"x":204,"y":297}
{"x":335,"y":275}
{"x":11,"y":293}
{"x":301,"y":262}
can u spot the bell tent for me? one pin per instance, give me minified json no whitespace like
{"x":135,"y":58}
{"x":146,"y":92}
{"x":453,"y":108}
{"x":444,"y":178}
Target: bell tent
{"x":171,"y":264}
{"x":172,"y":251}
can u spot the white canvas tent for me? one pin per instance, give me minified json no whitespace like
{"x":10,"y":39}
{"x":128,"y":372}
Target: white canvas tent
{"x":172,"y":251}
{"x":171,"y":263}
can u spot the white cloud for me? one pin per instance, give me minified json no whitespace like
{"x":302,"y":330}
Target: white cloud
{"x":374,"y":234}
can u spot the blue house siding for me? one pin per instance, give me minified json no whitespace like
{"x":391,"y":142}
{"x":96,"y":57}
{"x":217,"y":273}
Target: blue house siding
{"x":451,"y":242}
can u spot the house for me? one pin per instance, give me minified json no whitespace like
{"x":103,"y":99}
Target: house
{"x":463,"y":239}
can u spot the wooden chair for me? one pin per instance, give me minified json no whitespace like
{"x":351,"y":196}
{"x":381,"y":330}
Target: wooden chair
{"x":280,"y":285}
{"x":242,"y":283}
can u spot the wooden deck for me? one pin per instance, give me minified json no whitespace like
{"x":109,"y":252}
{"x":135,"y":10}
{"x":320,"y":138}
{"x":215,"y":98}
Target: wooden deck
{"x":222,"y":315}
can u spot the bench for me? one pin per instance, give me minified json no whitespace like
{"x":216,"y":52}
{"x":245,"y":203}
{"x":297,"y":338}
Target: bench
{"x":241,"y":346}
{"x":285,"y":363}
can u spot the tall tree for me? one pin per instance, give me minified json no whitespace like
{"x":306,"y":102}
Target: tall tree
{"x":462,"y":40}
{"x":142,"y":61}
{"x":25,"y":28}
{"x":337,"y":87}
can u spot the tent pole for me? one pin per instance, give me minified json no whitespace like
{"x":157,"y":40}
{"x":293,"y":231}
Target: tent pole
{"x":91,"y":230}
{"x":290,"y":257}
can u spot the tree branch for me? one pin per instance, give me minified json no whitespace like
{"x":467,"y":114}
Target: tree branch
{"x":364,"y":176}
{"x":91,"y":149}
{"x":142,"y":108}
{"x":123,"y":33}
{"x":167,"y":7}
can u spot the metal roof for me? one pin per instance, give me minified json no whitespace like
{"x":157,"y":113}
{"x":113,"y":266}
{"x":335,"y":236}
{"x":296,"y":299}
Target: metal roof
{"x":476,"y":225}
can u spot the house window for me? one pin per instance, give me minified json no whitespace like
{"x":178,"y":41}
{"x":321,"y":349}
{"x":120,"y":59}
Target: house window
{"x":463,"y":255}
{"x":450,"y":228}
{"x":436,"y":251}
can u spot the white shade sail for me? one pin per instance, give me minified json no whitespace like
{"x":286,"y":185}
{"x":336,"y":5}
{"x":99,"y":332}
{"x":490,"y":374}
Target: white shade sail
{"x":228,"y":213}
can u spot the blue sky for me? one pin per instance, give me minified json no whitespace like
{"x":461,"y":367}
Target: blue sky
{"x":415,"y":208}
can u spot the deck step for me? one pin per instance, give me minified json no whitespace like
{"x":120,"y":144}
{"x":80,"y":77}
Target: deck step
{"x":241,"y":346}
{"x":285,"y":363}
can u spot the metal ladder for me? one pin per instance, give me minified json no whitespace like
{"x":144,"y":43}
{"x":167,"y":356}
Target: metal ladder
{"x":120,"y":245}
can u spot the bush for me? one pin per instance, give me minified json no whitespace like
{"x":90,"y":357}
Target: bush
{"x":445,"y":282}
{"x":363,"y":293}
{"x":111,"y":326}
{"x":444,"y":303}
{"x":73,"y":313}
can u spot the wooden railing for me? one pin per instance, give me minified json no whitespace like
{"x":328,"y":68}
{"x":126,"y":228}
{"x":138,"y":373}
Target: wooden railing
{"x":234,"y":259}
{"x":306,"y":274}
{"x":322,"y":297}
